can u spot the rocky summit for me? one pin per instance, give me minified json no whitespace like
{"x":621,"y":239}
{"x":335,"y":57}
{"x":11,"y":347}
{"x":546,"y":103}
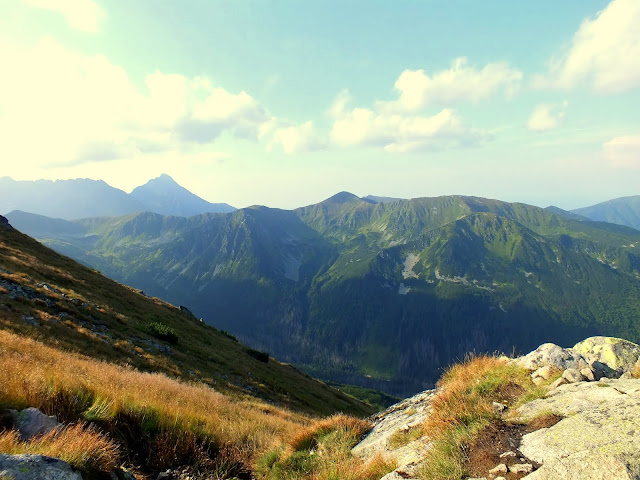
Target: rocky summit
{"x":585,"y":425}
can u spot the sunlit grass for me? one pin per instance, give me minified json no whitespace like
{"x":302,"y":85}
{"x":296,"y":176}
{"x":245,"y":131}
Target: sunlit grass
{"x":174,"y":421}
{"x":463,"y":406}
{"x":322,"y":451}
{"x":80,"y":445}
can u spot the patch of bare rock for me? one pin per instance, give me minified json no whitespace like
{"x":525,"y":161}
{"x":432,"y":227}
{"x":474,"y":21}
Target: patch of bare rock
{"x":587,"y":426}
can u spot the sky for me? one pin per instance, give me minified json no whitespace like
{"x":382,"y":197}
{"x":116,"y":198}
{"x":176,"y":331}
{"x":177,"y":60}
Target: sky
{"x":285,"y":102}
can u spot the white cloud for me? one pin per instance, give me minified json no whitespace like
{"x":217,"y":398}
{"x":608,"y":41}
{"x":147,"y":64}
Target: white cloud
{"x":298,"y":138}
{"x":547,"y":116}
{"x":623,"y":151}
{"x":84,"y":15}
{"x":59,"y":107}
{"x":403,"y":133}
{"x":603,"y":54}
{"x":460,"y":83}
{"x":339,"y":105}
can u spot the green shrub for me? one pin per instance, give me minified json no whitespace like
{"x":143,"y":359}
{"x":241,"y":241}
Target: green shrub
{"x":163,"y":332}
{"x":228,"y":335}
{"x":258,"y":355}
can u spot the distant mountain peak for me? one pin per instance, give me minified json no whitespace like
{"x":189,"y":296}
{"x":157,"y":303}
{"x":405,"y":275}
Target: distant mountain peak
{"x":163,"y":180}
{"x":165,"y":196}
{"x":164,"y":177}
{"x":343,"y":197}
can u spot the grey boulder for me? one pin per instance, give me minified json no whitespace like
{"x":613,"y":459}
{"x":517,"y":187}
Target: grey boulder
{"x":35,"y":467}
{"x":610,"y":356}
{"x":31,"y":422}
{"x":550,"y":354}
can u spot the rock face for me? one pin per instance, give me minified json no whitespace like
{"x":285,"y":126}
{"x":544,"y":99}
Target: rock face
{"x":32,"y":467}
{"x":31,"y":422}
{"x":397,"y":421}
{"x":4,"y":223}
{"x":599,"y":438}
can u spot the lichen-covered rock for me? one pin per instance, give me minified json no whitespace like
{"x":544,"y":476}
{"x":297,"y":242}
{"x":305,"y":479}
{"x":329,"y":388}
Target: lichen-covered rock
{"x":615,"y":353}
{"x":31,"y":422}
{"x":571,"y":375}
{"x":35,"y":467}
{"x":399,"y":417}
{"x":550,"y":354}
{"x":597,"y":438}
{"x":544,"y":372}
{"x":587,"y":374}
{"x":398,"y":420}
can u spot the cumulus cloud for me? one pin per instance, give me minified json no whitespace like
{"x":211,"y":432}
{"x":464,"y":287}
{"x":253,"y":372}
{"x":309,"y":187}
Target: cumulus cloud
{"x":623,"y":151}
{"x":603,"y":53}
{"x":60,"y":107}
{"x":298,"y":138}
{"x":402,"y":133}
{"x":84,"y":15}
{"x":547,"y":116}
{"x":459,"y":83}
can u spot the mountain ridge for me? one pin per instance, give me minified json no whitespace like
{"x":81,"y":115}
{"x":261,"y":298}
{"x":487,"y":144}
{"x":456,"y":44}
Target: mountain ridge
{"x":380,"y":294}
{"x":623,"y":211}
{"x":87,"y":198}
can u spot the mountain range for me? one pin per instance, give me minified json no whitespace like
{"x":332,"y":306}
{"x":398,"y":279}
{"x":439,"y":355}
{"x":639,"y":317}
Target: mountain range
{"x":82,"y":198}
{"x":380,"y":293}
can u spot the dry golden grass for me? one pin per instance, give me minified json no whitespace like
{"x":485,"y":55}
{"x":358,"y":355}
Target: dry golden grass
{"x":322,"y":451}
{"x":80,"y":445}
{"x":463,"y":407}
{"x":635,"y":371}
{"x":306,"y":438}
{"x":458,"y":401}
{"x":178,"y":421}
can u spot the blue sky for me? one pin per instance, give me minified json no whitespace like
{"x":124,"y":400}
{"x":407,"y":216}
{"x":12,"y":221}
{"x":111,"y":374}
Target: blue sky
{"x":284,"y":103}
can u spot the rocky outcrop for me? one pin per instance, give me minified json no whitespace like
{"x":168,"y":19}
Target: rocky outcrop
{"x":390,"y":426}
{"x":4,"y":223}
{"x":597,"y":434}
{"x":32,"y":467}
{"x":589,"y":360}
{"x":599,"y":438}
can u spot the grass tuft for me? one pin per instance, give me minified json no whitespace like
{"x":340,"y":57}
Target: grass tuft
{"x":323,"y":452}
{"x":80,"y":445}
{"x":464,"y":406}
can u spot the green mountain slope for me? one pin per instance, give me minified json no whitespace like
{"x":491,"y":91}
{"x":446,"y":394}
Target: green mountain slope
{"x":52,"y":298}
{"x":384,"y":294}
{"x":623,"y":211}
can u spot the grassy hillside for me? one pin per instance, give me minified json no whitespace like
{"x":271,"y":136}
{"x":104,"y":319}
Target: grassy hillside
{"x":53,"y":299}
